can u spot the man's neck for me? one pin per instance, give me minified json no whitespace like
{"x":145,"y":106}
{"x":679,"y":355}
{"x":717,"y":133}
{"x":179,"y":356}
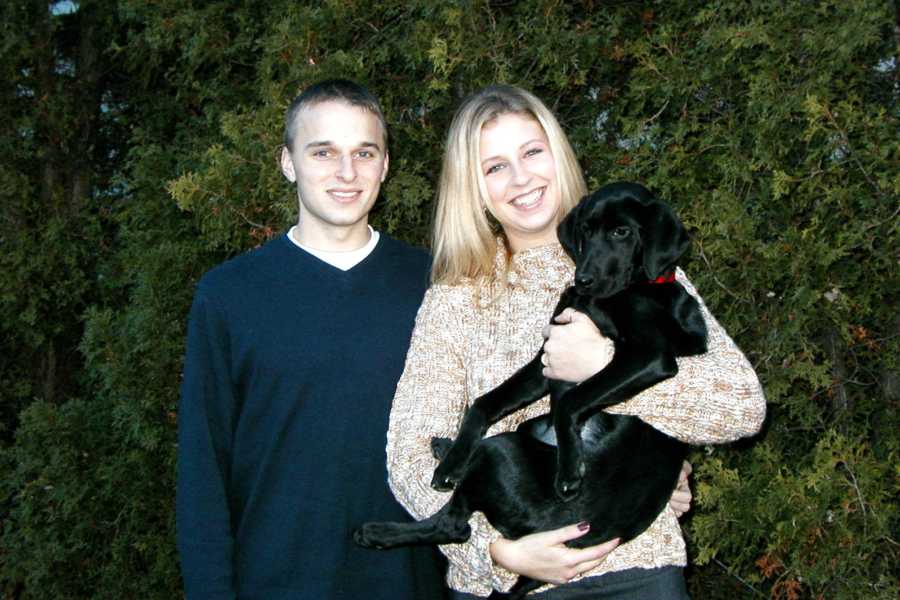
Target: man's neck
{"x":332,"y":239}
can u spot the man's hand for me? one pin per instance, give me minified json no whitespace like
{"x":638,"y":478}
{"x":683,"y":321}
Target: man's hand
{"x":574,"y":349}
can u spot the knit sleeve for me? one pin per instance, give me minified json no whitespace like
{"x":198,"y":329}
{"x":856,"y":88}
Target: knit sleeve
{"x":716,"y":397}
{"x":430,"y":402}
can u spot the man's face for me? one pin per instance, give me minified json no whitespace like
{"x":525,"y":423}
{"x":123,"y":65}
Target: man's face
{"x":338,"y":161}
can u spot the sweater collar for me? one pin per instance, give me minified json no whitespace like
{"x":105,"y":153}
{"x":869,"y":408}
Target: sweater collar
{"x":541,"y":267}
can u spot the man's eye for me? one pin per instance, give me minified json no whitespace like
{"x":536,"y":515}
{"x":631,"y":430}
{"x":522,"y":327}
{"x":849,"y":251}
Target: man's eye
{"x":364,"y":154}
{"x":321,"y":154}
{"x":620,"y":232}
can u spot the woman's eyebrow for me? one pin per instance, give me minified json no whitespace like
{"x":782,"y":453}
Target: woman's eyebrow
{"x":484,"y":160}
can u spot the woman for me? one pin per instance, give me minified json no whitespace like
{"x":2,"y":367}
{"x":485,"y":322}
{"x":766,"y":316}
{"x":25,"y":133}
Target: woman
{"x":509,"y":176}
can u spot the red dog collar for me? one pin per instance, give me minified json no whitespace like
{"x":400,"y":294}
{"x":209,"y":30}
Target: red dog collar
{"x":664,"y":278}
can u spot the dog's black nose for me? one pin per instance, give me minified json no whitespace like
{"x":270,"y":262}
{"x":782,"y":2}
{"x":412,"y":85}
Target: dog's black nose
{"x":584,"y":280}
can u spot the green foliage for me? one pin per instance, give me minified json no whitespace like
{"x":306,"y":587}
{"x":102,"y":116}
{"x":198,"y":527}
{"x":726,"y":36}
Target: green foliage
{"x":53,"y":148}
{"x":815,"y":523}
{"x":75,"y":536}
{"x":772,"y":126}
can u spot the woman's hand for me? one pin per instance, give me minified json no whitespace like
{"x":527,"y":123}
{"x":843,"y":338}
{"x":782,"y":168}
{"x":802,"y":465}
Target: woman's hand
{"x":545,"y":557}
{"x":681,"y":497}
{"x":574,"y":349}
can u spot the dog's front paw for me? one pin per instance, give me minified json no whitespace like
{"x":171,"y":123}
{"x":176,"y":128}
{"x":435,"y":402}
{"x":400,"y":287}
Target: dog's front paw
{"x":451,"y":469}
{"x":440,"y":446}
{"x":446,"y":476}
{"x":568,"y":483}
{"x":567,"y":489}
{"x":368,"y":536}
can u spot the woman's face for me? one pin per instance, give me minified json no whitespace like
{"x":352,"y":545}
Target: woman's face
{"x":520,"y":175}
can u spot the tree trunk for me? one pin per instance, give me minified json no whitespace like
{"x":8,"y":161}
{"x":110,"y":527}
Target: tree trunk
{"x":69,"y":67}
{"x":89,"y":69}
{"x":841,"y":403}
{"x":45,"y":95}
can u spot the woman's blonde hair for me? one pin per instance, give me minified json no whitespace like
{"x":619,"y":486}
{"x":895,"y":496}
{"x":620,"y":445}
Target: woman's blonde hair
{"x":464,"y":242}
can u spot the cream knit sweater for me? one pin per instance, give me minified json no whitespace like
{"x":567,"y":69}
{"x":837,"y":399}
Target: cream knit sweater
{"x":464,"y":344}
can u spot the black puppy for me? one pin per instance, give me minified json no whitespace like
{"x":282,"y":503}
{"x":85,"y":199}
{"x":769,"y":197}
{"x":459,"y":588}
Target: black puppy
{"x":624,"y":243}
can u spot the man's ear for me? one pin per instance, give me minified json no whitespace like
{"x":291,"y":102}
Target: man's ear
{"x":384,"y":170}
{"x":287,"y":165}
{"x":569,"y":233}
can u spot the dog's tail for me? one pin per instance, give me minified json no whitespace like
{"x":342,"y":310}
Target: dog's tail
{"x":522,"y":586}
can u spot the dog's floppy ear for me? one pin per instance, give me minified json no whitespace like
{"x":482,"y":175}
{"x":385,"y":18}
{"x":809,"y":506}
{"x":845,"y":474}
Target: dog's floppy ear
{"x":664,"y":237}
{"x":569,"y":233}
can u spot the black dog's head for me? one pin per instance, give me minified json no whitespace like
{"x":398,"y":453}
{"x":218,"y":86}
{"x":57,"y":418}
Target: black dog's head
{"x":619,"y":235}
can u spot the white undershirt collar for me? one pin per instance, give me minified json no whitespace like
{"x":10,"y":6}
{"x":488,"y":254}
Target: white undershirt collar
{"x":340,"y":259}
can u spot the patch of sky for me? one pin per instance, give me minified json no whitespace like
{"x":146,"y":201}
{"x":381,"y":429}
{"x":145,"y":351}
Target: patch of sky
{"x":886,"y":65}
{"x":66,"y":7}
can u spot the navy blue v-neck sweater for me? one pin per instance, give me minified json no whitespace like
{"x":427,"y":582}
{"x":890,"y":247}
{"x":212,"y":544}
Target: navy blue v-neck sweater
{"x":290,"y":370}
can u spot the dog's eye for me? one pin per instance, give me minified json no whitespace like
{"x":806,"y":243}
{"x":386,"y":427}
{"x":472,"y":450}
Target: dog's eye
{"x":620,"y":233}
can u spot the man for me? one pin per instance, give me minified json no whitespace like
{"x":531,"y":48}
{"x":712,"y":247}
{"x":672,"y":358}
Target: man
{"x":293,"y":354}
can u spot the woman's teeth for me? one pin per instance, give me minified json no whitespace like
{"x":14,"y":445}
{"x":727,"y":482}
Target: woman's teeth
{"x":528,"y":200}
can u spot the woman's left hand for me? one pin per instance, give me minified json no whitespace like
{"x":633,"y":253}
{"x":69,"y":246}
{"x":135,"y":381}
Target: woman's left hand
{"x":574,"y":349}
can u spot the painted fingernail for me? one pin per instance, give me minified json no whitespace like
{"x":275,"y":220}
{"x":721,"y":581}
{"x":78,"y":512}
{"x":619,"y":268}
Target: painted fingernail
{"x":584,"y":526}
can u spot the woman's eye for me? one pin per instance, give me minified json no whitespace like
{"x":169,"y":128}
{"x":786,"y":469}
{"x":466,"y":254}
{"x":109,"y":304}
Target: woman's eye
{"x":493,"y":168}
{"x":533,"y":151}
{"x":621,"y":232}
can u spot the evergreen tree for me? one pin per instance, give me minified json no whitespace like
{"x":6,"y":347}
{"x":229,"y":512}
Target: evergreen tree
{"x":139,"y":147}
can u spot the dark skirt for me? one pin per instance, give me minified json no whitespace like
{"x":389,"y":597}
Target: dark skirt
{"x":664,"y":583}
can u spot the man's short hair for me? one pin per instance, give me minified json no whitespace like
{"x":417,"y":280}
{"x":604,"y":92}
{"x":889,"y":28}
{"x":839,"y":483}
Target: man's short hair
{"x":342,"y":90}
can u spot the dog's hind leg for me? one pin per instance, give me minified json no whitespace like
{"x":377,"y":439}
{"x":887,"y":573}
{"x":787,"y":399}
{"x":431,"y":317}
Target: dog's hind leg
{"x":447,"y":526}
